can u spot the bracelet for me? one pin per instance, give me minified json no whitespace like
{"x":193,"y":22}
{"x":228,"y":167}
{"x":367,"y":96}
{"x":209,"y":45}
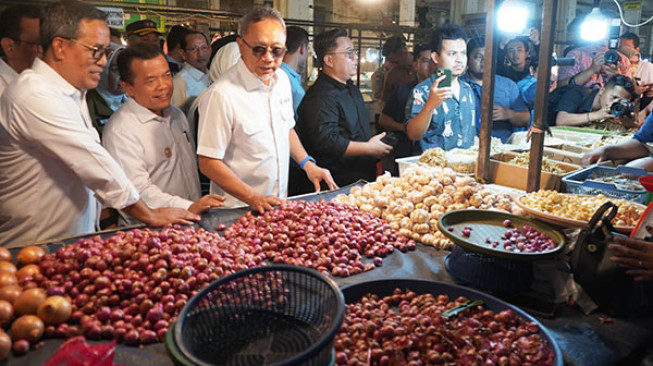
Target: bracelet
{"x":588,"y":116}
{"x":306,"y":160}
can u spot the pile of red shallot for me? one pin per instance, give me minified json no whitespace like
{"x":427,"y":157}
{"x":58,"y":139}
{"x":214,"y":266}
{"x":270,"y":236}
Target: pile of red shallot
{"x":332,"y":238}
{"x":132,"y":285}
{"x":410,"y":329}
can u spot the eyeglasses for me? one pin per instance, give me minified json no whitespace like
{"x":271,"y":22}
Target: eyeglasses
{"x":352,"y":54}
{"x":35,"y":44}
{"x":98,"y":52}
{"x":196,"y":49}
{"x":260,"y":51}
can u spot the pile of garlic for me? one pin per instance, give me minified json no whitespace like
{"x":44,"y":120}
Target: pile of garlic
{"x":413,"y":203}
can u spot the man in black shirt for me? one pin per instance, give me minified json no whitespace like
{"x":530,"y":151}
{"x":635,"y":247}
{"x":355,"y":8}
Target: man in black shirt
{"x":332,"y":122}
{"x":575,"y":105}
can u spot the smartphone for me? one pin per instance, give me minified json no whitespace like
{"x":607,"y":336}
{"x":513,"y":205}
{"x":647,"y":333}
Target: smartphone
{"x":447,"y":80}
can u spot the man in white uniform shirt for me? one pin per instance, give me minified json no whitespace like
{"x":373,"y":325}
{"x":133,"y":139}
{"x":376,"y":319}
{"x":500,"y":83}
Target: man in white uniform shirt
{"x":19,"y":41}
{"x":150,"y":138}
{"x":193,"y":77}
{"x":53,"y":170}
{"x":246,"y":133}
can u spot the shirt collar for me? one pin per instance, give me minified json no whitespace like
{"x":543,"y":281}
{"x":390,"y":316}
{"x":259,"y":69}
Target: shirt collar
{"x":195,"y":73}
{"x":252,"y":81}
{"x":42,"y":68}
{"x":290,"y":71}
{"x":335,"y":82}
{"x":144,"y":115}
{"x":5,"y":69}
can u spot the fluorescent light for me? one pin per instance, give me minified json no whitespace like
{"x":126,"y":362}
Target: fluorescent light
{"x":512,"y":16}
{"x":595,"y":26}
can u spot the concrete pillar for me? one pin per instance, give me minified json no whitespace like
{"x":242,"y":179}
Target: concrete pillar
{"x":633,"y":14}
{"x":565,"y":14}
{"x":407,"y":13}
{"x":295,"y":9}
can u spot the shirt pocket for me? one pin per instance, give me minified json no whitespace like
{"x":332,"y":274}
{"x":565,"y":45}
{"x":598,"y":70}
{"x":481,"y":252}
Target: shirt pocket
{"x":288,"y":116}
{"x":258,"y":138}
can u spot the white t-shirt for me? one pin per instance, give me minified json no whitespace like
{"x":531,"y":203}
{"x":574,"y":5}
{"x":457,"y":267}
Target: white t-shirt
{"x":156,"y":153}
{"x":246,"y":124}
{"x":52,"y":166}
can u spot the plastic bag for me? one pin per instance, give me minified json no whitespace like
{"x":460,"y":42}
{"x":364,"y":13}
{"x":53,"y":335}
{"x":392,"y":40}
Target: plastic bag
{"x":77,"y":352}
{"x":461,"y":161}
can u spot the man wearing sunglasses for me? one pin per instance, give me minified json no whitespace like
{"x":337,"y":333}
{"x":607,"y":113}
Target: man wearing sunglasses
{"x":246,"y":121}
{"x":53,"y":170}
{"x":193,"y":77}
{"x":19,"y":41}
{"x":332,"y":120}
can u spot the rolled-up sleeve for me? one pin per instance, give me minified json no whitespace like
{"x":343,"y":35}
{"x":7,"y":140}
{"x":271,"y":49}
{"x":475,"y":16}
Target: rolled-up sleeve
{"x":60,"y":134}
{"x":214,"y":126}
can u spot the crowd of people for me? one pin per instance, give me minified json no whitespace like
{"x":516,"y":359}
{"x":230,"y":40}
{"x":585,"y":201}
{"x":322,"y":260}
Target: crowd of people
{"x":91,"y":129}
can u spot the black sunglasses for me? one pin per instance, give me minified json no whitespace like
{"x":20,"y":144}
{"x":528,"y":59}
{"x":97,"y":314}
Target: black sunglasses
{"x":260,"y":51}
{"x":98,"y":52}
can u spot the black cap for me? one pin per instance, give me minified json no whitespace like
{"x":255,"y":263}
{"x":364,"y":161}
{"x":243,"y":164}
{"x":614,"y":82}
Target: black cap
{"x":142,"y":28}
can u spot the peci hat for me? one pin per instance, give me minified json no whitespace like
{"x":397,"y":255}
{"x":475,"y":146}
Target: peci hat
{"x":142,"y":28}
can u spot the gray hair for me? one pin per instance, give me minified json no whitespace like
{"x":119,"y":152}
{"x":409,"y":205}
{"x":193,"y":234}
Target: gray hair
{"x":62,"y":19}
{"x":257,"y":14}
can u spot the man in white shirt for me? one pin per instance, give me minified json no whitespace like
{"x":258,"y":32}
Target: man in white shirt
{"x":149,"y":137}
{"x":19,"y":41}
{"x":53,"y":170}
{"x":193,"y":77}
{"x":246,"y":133}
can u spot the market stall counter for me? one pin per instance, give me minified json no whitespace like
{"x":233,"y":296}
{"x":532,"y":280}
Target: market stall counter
{"x":593,"y":339}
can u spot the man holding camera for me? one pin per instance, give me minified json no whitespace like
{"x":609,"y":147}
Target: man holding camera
{"x":578,"y":106}
{"x":595,"y":64}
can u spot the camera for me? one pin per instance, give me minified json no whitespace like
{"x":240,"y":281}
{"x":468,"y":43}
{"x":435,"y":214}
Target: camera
{"x":621,"y":107}
{"x":611,"y":57}
{"x":390,"y":138}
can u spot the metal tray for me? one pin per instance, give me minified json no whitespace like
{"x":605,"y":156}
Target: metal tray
{"x":353,"y":293}
{"x":564,"y":221}
{"x":489,"y":224}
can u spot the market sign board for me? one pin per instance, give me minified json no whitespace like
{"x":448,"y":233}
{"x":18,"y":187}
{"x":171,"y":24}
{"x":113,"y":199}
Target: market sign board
{"x":633,"y":5}
{"x":115,"y":16}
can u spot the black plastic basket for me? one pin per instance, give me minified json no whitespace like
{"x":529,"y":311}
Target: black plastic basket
{"x":272,"y":315}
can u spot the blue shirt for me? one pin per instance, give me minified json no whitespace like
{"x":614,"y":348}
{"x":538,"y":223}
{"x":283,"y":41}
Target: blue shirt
{"x":527,"y":87}
{"x":506,"y":94}
{"x":452,"y":123}
{"x":295,"y":85}
{"x":645,"y":133}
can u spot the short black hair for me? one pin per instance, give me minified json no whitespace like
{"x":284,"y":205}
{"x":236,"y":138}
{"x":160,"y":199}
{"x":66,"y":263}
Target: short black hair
{"x":295,"y":38}
{"x":393,"y":45}
{"x":175,"y":35}
{"x":140,"y":51}
{"x":474,"y":43}
{"x":523,"y":39}
{"x":10,"y":19}
{"x":184,"y":40}
{"x":418,"y":49}
{"x":325,"y":42}
{"x":446,"y":31}
{"x":622,"y":81}
{"x":631,"y":36}
{"x":62,"y":19}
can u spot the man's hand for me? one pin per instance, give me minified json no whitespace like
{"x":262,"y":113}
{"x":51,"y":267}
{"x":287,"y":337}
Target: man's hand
{"x":597,"y":62}
{"x":261,"y":203}
{"x":316,"y":174}
{"x":594,"y":156}
{"x":171,"y":215}
{"x":500,"y":113}
{"x":206,"y":202}
{"x":610,"y":70}
{"x":635,"y":255}
{"x":377,"y":148}
{"x":437,"y":95}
